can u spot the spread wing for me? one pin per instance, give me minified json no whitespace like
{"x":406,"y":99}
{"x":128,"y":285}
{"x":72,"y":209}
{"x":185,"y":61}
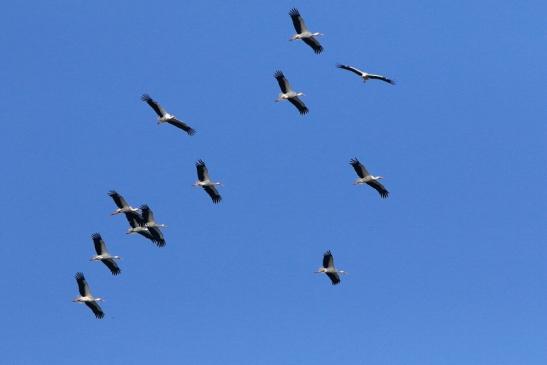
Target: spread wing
{"x":157,"y":236}
{"x":359,"y":168}
{"x":328,"y":260}
{"x":99,"y":244}
{"x":213,"y":193}
{"x":96,"y":308}
{"x":379,"y":187}
{"x":154,"y":105}
{"x":282,"y":81}
{"x":380,"y":77}
{"x":112,"y":265}
{"x":334,"y":277}
{"x":299,"y":104}
{"x":147,"y":215}
{"x":83,"y":288}
{"x":203,"y":174}
{"x":185,"y":127}
{"x":118,"y":199}
{"x":297,"y":21}
{"x":355,"y":70}
{"x":314,"y":44}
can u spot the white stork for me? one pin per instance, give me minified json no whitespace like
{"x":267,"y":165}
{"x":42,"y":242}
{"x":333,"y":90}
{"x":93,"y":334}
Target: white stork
{"x":287,"y":93}
{"x":86,"y":297}
{"x":103,"y":255}
{"x":122,"y":205}
{"x":205,"y":182}
{"x":303,"y":33}
{"x":366,"y":178}
{"x":329,"y":269}
{"x":150,"y":223}
{"x":163,"y":116}
{"x":365,"y":75}
{"x":138,"y":225}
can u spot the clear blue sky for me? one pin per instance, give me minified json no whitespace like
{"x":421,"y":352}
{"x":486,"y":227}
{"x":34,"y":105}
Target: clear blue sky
{"x":451,"y":269}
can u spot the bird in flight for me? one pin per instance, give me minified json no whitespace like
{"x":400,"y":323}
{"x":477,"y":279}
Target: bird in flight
{"x":366,"y":178}
{"x":164,"y":117}
{"x":287,"y":93}
{"x":303,"y":33}
{"x":329,"y":269}
{"x":86,"y":297}
{"x":206,"y":183}
{"x":366,"y":76}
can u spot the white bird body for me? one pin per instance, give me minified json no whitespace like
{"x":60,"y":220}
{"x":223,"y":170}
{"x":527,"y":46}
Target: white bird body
{"x":120,"y":202}
{"x":366,"y":179}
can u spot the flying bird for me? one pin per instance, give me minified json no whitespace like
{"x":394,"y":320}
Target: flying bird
{"x":103,"y":255}
{"x":86,"y":297}
{"x":122,"y":205}
{"x":138,"y":225}
{"x":366,"y":178}
{"x":163,"y":116}
{"x":205,"y":182}
{"x":365,"y":75}
{"x":303,"y":33}
{"x":287,"y":93}
{"x":329,"y":269}
{"x":150,"y":223}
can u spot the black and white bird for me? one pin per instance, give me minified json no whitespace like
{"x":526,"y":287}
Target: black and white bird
{"x":329,"y":269}
{"x":138,"y":225}
{"x":287,"y":93}
{"x":365,"y":75}
{"x":303,"y":33}
{"x":86,"y":297}
{"x":366,"y":178}
{"x":120,"y":202}
{"x":206,"y":183}
{"x":163,"y":116}
{"x":150,"y":223}
{"x":103,"y":255}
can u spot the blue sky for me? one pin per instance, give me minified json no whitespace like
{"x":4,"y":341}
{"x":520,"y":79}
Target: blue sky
{"x":451,"y":269}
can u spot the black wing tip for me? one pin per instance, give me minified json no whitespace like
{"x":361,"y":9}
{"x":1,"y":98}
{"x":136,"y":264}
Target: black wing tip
{"x":278,"y":74}
{"x":159,"y":243}
{"x":113,"y":193}
{"x":146,"y":97}
{"x":304,"y":111}
{"x":339,"y":65}
{"x":79,"y":275}
{"x":336,"y":282}
{"x":294,"y":12}
{"x":144,"y":207}
{"x":327,"y":253}
{"x":384,"y":194}
{"x":390,"y":81}
{"x":191,"y":131}
{"x":96,"y":236}
{"x":354,"y":161}
{"x":200,"y":163}
{"x":318,"y":50}
{"x":216,"y":200}
{"x":116,"y":272}
{"x":99,"y":315}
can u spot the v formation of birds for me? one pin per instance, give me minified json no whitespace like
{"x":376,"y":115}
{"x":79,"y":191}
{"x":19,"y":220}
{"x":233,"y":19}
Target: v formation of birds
{"x":141,"y":220}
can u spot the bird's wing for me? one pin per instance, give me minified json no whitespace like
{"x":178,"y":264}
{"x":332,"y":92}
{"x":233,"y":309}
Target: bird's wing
{"x":147,"y":215}
{"x":83,"y":288}
{"x":157,"y":236}
{"x":313,"y":43}
{"x":359,"y":168}
{"x":328,"y":260}
{"x":297,"y":21}
{"x":334,"y":277}
{"x":379,"y":187}
{"x":380,"y":77}
{"x":299,"y":104}
{"x":147,"y":234}
{"x":154,"y":105}
{"x":283,"y":82}
{"x":203,"y":174}
{"x":350,"y":68}
{"x":213,"y":193}
{"x":185,"y":127}
{"x":112,"y":265}
{"x":99,"y":244}
{"x":134,"y":219}
{"x":118,"y":199}
{"x":96,"y":308}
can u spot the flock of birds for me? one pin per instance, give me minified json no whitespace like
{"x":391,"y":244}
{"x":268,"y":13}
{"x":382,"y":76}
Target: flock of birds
{"x":141,"y":220}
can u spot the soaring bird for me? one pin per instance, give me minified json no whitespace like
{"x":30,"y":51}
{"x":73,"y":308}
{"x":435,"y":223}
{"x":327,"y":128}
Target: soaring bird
{"x":138,"y":225}
{"x":103,"y":255}
{"x":86,"y":297}
{"x":287,"y":93}
{"x":150,"y":223}
{"x":122,"y":205}
{"x":366,"y":178}
{"x":163,"y":116}
{"x":303,"y":33}
{"x":205,"y":182}
{"x":366,"y":75}
{"x":329,"y":269}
